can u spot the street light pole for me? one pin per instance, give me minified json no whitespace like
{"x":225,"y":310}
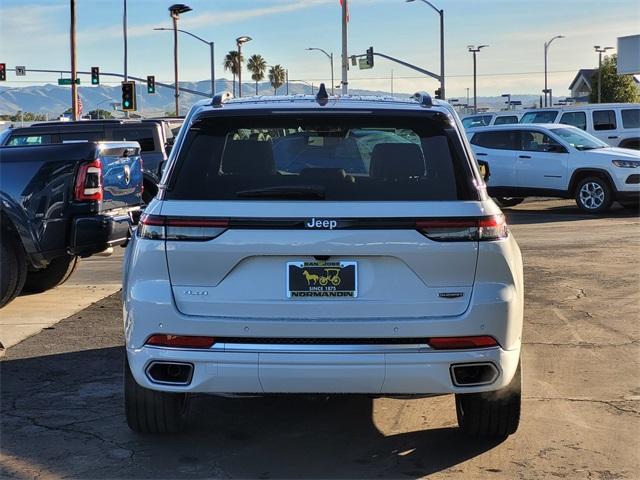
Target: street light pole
{"x":175,"y":11}
{"x":239,"y":42}
{"x":475,"y":50}
{"x":211,"y":51}
{"x":440,"y":12}
{"x":546,"y":51}
{"x":330,"y":57}
{"x":600,"y":51}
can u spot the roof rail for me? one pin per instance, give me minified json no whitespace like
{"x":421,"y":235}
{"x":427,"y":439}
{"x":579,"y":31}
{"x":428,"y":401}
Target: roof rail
{"x":423,"y":98}
{"x":322,"y":97}
{"x":220,"y":98}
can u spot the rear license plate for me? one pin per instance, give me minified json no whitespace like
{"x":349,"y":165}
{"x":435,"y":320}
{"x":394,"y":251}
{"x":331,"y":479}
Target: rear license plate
{"x":322,"y":279}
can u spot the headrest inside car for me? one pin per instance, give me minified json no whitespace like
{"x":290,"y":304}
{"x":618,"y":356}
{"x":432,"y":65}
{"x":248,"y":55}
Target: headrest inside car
{"x":397,"y":161}
{"x":248,"y":157}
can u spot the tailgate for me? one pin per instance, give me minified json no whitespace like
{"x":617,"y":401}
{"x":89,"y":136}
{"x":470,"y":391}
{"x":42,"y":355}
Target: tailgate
{"x":121,"y":174}
{"x":243,"y":273}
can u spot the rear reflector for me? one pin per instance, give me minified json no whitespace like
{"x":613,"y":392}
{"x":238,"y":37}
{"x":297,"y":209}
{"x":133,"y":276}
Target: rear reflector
{"x":157,"y":227}
{"x":180,"y":341}
{"x":464,"y":229}
{"x":88,"y":186}
{"x":457,"y":343}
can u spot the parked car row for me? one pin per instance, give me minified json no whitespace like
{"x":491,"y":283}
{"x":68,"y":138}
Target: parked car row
{"x":555,"y":160}
{"x":617,"y":124}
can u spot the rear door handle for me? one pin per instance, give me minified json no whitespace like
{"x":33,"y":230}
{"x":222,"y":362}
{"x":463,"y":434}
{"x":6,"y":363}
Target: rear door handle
{"x":481,"y":154}
{"x":612,"y":137}
{"x":524,"y":156}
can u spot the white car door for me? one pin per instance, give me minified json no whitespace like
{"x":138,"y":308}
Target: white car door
{"x":542,"y":162}
{"x":499,"y":149}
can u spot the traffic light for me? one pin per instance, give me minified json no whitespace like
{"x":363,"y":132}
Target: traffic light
{"x":95,"y":75}
{"x":370,"y":56}
{"x":128,"y":96}
{"x":3,"y":72}
{"x":439,"y":93}
{"x":151,"y":84}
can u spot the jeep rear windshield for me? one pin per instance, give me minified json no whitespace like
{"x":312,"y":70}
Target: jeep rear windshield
{"x":322,"y":157}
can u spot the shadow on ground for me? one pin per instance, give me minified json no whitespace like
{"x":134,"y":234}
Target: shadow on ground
{"x":63,"y":416}
{"x":561,"y":211}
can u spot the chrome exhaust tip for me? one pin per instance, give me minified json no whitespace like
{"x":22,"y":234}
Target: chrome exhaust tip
{"x":170,"y":373}
{"x":473,"y":374}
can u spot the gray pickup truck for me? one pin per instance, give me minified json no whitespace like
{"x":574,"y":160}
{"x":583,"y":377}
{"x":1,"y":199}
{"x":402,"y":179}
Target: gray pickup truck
{"x":61,"y":202}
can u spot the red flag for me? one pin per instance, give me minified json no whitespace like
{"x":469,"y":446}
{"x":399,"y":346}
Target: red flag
{"x":347,"y":9}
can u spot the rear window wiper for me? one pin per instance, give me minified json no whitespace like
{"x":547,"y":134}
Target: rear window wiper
{"x":294,"y":191}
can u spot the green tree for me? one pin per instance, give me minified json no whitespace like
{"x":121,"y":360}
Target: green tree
{"x":257,"y":65}
{"x":615,"y":88}
{"x":233,"y":63}
{"x":276,"y":77}
{"x":100,"y":114}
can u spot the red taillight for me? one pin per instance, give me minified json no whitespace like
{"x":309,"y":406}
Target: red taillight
{"x":456,"y":343}
{"x":464,"y":229}
{"x":88,"y":185}
{"x":158,"y":227}
{"x":180,"y":341}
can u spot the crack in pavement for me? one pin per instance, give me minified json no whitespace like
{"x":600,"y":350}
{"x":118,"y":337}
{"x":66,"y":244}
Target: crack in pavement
{"x":609,"y":403}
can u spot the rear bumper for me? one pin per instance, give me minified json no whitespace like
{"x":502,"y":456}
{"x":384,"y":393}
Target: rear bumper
{"x":376,"y":370}
{"x":95,"y":233}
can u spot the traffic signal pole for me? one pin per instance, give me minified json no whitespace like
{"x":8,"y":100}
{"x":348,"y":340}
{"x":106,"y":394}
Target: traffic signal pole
{"x":74,"y":85}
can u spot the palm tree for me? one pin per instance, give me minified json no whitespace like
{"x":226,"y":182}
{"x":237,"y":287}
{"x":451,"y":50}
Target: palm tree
{"x":232,"y":64}
{"x":257,"y":65}
{"x":276,"y":77}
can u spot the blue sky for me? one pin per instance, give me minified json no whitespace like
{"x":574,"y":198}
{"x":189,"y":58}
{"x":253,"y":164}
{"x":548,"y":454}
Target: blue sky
{"x":35,"y":33}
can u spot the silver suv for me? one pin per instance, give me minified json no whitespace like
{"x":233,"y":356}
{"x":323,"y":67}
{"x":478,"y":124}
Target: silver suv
{"x":323,"y":245}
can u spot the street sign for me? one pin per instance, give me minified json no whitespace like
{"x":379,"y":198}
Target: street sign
{"x":21,"y":71}
{"x":363,"y":64}
{"x":67,"y":81}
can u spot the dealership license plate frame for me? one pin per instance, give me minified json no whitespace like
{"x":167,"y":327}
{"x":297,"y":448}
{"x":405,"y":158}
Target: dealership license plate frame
{"x":332,"y":291}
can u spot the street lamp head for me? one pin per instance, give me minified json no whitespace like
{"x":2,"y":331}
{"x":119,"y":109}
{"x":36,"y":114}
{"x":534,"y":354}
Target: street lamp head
{"x":243,"y":39}
{"x":596,"y":47}
{"x":179,"y":8}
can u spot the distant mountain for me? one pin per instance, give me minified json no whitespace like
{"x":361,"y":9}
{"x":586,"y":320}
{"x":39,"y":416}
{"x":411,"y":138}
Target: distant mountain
{"x":53,"y":99}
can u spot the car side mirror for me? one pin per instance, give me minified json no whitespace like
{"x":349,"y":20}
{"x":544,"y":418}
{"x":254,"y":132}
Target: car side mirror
{"x":484,"y":170}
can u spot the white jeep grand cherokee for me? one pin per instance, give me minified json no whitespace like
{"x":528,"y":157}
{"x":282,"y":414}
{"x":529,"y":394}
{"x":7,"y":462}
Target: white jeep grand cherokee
{"x":323,"y":245}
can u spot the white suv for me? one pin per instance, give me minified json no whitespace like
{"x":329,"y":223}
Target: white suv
{"x":323,"y":245}
{"x":553,"y":160}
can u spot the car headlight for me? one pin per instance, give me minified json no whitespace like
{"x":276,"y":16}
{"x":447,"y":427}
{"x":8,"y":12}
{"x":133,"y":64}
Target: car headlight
{"x":626,"y":163}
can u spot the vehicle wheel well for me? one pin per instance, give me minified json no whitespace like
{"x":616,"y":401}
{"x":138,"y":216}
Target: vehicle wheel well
{"x":582,"y":174}
{"x":630,"y":143}
{"x":8,"y":228}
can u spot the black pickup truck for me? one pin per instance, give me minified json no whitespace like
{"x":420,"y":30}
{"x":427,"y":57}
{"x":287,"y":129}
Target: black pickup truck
{"x":60,"y":202}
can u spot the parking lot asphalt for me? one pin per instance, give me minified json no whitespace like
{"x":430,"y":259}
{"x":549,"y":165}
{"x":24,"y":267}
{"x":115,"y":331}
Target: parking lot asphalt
{"x":63,"y":415}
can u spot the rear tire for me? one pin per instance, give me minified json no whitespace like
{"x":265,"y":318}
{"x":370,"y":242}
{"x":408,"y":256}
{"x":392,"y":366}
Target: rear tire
{"x":594,"y":195}
{"x":150,"y":411}
{"x":491,"y":414}
{"x":13,"y":268}
{"x":56,"y":273}
{"x":506,"y":202}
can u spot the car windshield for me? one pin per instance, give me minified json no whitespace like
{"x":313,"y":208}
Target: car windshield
{"x":328,"y":157}
{"x":578,"y":139}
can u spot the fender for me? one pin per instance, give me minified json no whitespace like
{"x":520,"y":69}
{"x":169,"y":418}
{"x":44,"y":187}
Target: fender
{"x":14,"y":217}
{"x":600,"y":171}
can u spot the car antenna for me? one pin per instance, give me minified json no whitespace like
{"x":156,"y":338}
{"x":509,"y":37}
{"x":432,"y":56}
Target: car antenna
{"x":322,"y":97}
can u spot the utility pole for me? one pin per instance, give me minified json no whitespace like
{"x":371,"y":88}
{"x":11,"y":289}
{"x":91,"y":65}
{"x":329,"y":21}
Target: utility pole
{"x":74,"y":86}
{"x":239,"y":42}
{"x":124,"y":35}
{"x":345,"y":54}
{"x":176,"y":89}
